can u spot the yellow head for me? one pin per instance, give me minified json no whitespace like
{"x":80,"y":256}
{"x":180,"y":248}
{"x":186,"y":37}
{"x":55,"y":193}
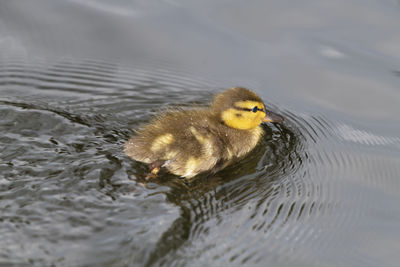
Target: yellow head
{"x":242,"y":109}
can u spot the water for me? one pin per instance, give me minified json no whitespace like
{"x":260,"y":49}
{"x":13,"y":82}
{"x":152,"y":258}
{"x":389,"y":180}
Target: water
{"x":322,"y":189}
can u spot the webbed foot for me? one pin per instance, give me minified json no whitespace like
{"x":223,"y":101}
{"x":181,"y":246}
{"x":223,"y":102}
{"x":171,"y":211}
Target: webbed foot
{"x":155,"y":168}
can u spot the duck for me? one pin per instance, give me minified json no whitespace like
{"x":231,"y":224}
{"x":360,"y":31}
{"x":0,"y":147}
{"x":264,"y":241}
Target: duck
{"x":189,"y":142}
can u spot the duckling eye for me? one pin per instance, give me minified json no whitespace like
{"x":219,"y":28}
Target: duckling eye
{"x":255,"y":109}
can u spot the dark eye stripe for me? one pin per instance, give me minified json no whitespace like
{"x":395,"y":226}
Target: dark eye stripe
{"x":244,"y":109}
{"x":255,"y":109}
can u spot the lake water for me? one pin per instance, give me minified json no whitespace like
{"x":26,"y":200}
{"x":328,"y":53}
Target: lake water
{"x":322,"y":189}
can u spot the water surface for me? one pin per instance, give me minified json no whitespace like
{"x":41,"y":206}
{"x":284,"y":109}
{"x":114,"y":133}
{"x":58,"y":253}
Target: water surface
{"x":321,"y":189}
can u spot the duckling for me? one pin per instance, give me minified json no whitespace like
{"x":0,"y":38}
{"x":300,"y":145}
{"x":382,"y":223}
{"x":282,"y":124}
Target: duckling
{"x":193,"y":141}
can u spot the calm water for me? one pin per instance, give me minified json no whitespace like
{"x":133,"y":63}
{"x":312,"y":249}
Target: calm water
{"x":322,"y":189}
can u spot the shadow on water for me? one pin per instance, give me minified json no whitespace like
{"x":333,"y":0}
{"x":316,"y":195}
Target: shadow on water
{"x":257,"y":176}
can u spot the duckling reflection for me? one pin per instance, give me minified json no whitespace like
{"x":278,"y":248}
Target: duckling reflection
{"x":190,"y":142}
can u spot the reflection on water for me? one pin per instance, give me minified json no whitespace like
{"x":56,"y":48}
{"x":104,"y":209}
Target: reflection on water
{"x":320,"y":189}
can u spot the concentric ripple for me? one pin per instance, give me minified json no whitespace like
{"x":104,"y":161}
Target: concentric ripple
{"x":266,"y":200}
{"x":65,"y":180}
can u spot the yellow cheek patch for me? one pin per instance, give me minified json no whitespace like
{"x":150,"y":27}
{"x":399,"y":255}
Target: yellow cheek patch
{"x":243,"y":120}
{"x":161,"y":141}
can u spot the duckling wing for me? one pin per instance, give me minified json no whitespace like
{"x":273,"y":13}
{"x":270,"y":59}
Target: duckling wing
{"x":182,"y":139}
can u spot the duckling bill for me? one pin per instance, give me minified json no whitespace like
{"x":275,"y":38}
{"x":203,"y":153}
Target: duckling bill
{"x":190,"y":142}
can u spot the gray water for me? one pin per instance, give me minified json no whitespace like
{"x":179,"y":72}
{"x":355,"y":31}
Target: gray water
{"x":322,"y":189}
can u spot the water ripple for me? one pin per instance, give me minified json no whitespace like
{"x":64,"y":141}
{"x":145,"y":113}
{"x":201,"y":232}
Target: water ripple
{"x":350,"y":134}
{"x":63,"y":127}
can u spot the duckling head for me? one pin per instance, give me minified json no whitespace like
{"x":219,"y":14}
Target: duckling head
{"x":242,"y":109}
